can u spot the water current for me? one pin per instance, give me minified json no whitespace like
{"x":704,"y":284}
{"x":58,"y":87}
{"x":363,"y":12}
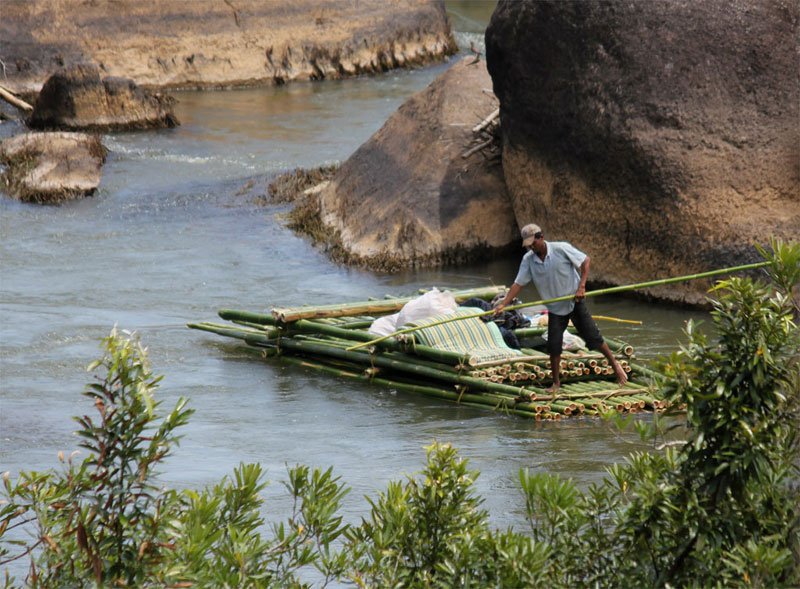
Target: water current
{"x":177,"y":231}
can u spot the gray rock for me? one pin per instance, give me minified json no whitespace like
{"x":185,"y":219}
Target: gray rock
{"x":409,"y":197}
{"x":660,"y":137}
{"x":76,"y":98}
{"x":51,"y":167}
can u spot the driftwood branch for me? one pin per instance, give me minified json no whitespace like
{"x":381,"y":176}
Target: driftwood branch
{"x":486,"y":122}
{"x":11,"y":99}
{"x":478,"y":147}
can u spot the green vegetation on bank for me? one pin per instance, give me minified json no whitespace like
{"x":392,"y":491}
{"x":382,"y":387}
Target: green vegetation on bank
{"x":720,"y":509}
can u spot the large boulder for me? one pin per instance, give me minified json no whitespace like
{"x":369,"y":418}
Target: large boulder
{"x":51,"y":167}
{"x":76,"y":98}
{"x":216,"y":43}
{"x":425,"y":190}
{"x":660,"y":137}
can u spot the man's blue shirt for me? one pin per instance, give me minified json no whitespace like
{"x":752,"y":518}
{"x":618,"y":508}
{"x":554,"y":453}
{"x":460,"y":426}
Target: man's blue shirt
{"x":555,"y":276}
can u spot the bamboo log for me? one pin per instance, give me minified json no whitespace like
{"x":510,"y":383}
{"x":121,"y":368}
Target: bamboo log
{"x":644,"y":370}
{"x":360,"y":324}
{"x":252,"y":325}
{"x":619,"y":403}
{"x":254,"y":329}
{"x":234,"y":315}
{"x":618,"y":346}
{"x":467,"y":399}
{"x":305,"y":326}
{"x":290,"y":314}
{"x":524,"y":332}
{"x":504,"y":361}
{"x":602,"y":291}
{"x":407,"y":367}
{"x":243,"y":334}
{"x":445,"y":356}
{"x":409,"y":358}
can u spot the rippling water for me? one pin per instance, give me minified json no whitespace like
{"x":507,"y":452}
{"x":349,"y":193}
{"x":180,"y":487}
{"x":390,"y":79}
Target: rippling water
{"x":176,"y":232}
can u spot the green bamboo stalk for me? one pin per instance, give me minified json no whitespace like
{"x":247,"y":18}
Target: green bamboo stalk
{"x":306,"y":326}
{"x":259,"y":326}
{"x":592,"y":293}
{"x":229,"y":327}
{"x":619,"y":346}
{"x":322,"y":341}
{"x":360,"y":324}
{"x":623,"y":399}
{"x":645,"y":371}
{"x":468,"y":399}
{"x":234,"y":315}
{"x":235,"y":332}
{"x":424,"y":371}
{"x":524,"y":332}
{"x":444,"y":356}
{"x":510,"y":360}
{"x":409,"y":358}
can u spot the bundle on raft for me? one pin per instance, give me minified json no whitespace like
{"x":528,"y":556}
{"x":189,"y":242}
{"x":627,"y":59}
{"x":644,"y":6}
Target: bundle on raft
{"x":465,"y":361}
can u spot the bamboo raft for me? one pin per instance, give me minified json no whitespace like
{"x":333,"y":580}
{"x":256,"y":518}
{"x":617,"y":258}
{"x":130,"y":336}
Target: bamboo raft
{"x":321,"y":338}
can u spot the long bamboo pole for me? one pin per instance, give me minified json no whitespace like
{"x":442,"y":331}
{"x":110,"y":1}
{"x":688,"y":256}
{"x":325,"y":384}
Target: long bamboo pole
{"x":616,"y":319}
{"x":592,"y":293}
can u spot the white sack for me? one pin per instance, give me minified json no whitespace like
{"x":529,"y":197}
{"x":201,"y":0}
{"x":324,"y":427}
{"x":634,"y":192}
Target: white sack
{"x":433,"y":302}
{"x":570,"y":342}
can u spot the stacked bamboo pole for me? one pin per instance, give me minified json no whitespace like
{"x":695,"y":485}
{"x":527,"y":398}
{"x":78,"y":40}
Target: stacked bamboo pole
{"x":323,"y":338}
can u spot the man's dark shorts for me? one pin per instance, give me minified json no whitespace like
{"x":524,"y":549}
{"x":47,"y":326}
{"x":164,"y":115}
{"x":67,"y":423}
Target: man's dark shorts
{"x":583,"y":322}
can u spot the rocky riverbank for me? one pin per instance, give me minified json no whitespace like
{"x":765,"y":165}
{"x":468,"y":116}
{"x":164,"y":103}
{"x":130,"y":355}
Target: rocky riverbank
{"x":660,"y":137}
{"x":210,"y":43}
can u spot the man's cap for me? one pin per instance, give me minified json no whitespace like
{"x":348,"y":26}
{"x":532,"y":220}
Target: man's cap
{"x":528,"y":232}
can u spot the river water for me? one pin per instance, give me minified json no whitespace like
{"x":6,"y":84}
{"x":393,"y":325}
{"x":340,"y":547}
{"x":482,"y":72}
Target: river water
{"x":177,"y":232}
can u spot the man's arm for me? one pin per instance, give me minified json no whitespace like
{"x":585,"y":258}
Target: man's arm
{"x":512,"y":292}
{"x":580,"y":294}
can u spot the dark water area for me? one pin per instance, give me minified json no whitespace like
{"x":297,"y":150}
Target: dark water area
{"x":177,"y":231}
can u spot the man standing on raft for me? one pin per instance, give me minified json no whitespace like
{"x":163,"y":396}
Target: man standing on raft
{"x":554,"y":268}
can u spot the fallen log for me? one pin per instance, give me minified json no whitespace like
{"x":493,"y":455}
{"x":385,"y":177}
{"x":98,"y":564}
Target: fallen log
{"x":9,"y":97}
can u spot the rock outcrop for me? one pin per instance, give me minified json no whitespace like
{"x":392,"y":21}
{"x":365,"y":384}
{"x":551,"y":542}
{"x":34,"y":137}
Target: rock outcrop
{"x":418,"y":193}
{"x":75,"y":98}
{"x":663,"y":138}
{"x":218,"y":43}
{"x":51,"y":167}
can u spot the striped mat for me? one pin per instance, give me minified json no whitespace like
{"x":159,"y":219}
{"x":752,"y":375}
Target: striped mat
{"x":479,"y":341}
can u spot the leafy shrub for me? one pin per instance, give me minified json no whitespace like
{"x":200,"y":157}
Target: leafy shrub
{"x":719,"y":510}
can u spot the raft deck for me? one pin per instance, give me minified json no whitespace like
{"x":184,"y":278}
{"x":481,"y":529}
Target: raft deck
{"x":511,"y":381}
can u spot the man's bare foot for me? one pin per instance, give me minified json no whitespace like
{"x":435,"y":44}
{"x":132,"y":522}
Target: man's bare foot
{"x":553,"y":388}
{"x":622,"y":378}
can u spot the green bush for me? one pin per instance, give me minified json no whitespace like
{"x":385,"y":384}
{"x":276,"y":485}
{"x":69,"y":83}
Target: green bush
{"x":722,"y":508}
{"x":104,"y":523}
{"x":719,"y":509}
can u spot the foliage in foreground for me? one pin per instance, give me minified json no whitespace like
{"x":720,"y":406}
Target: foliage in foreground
{"x":720,"y":509}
